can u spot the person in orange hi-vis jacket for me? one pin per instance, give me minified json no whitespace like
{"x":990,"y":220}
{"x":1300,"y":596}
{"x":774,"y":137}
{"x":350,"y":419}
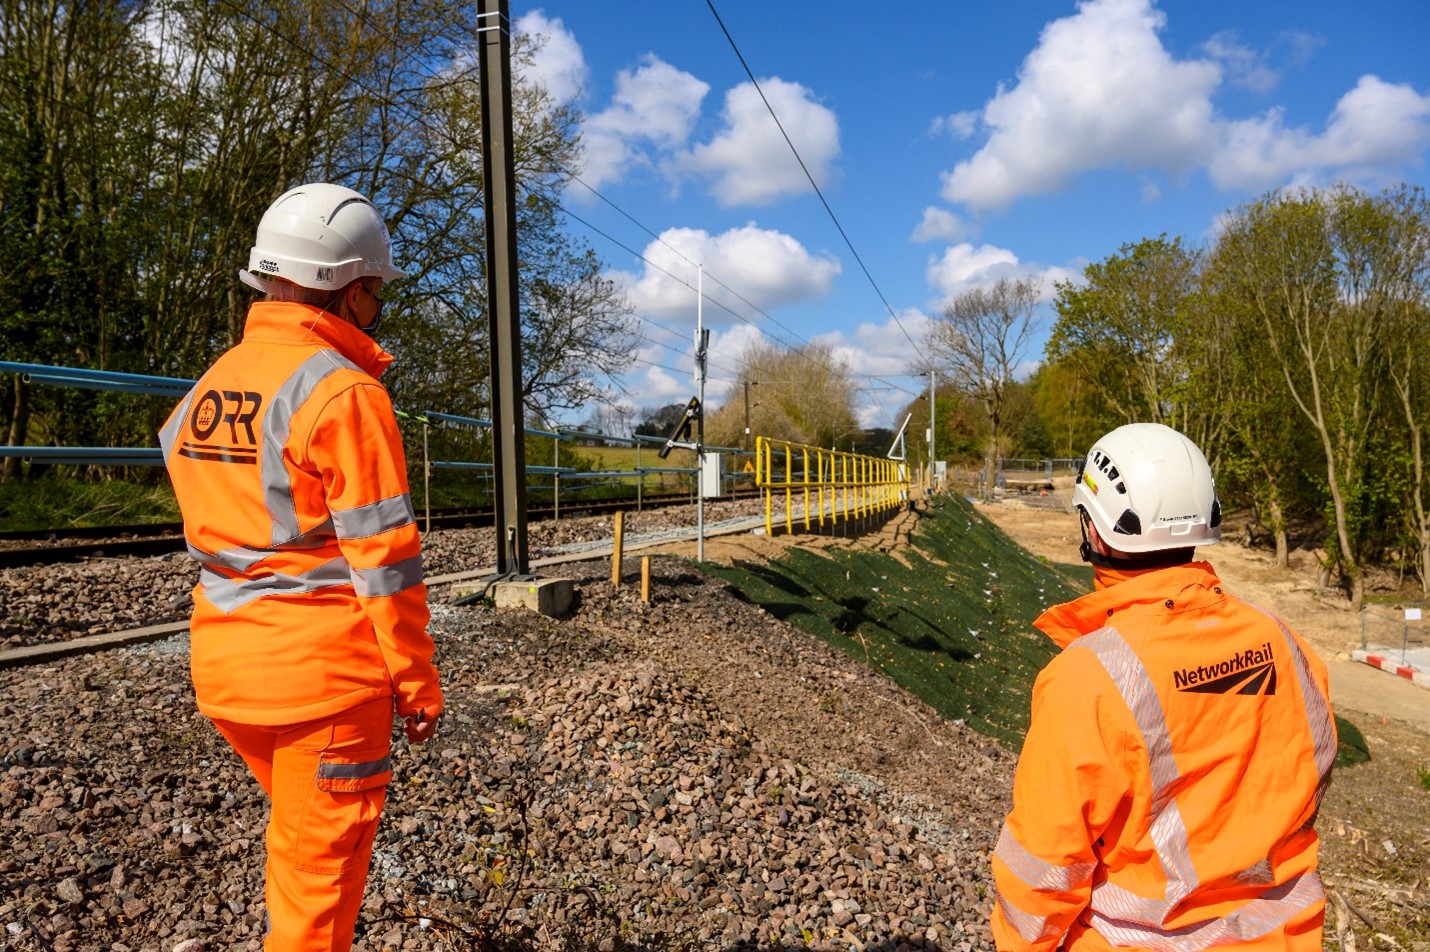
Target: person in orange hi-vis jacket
{"x":310,"y":616}
{"x":1180,"y":744}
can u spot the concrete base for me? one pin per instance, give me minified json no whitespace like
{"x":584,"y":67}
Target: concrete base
{"x":546,"y":596}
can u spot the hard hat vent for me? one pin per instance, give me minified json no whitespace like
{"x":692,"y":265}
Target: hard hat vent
{"x":1128,"y":523}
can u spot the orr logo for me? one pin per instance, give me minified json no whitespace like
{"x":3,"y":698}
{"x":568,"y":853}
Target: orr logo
{"x":236,"y":409}
{"x":1252,"y":671}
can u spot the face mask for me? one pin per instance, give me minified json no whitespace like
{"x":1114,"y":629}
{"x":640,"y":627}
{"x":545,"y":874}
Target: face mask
{"x":371,"y":328}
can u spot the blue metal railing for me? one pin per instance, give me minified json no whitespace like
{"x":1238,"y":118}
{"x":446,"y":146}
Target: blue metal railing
{"x":78,"y":377}
{"x":98,"y":379}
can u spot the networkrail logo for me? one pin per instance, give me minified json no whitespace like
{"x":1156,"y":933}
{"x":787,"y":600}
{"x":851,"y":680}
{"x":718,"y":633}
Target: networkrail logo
{"x":1252,"y":671}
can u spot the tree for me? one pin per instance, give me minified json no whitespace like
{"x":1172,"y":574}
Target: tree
{"x":1071,"y":408}
{"x":1324,"y":273}
{"x":141,"y":141}
{"x":1263,"y":460}
{"x":69,"y":76}
{"x":1119,"y":330}
{"x":806,"y":396}
{"x":577,"y":330}
{"x":660,"y":421}
{"x":1408,"y":355}
{"x":981,"y":339}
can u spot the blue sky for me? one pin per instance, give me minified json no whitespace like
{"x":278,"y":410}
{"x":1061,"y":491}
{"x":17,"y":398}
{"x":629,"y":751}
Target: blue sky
{"x":955,"y":143}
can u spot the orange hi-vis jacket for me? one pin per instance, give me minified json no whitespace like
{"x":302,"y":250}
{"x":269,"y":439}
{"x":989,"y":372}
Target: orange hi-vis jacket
{"x":1167,"y":790}
{"x":289,"y":469}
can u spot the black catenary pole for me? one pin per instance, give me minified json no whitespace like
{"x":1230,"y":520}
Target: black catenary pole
{"x":503,"y":316}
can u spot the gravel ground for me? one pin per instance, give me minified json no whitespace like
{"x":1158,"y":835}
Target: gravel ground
{"x":689,"y":773}
{"x":42,"y":604}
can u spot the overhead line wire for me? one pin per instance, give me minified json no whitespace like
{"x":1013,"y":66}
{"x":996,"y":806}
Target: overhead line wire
{"x":366,"y":19}
{"x":421,"y":121}
{"x":813,"y":184}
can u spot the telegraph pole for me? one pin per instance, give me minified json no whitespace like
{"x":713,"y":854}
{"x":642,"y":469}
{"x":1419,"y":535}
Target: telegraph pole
{"x":503,"y":316}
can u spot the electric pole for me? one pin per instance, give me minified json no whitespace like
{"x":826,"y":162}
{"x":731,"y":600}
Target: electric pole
{"x":503,"y":316}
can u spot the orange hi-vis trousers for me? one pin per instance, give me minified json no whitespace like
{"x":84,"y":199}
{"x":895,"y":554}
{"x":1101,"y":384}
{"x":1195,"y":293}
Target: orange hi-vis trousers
{"x":326,"y":782}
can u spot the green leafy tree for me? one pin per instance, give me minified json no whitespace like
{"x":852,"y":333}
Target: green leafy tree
{"x":141,"y":141}
{"x":1408,"y":353}
{"x":806,"y":395}
{"x":1323,"y":272}
{"x":1119,"y":329}
{"x":1071,"y":408}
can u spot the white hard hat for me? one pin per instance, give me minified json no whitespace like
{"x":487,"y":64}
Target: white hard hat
{"x":320,"y":236}
{"x":1147,"y":488}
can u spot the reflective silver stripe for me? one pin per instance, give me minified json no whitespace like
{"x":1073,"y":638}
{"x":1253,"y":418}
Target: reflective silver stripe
{"x":1168,"y":831}
{"x":1273,"y":909}
{"x":241,"y":558}
{"x":388,"y":579}
{"x":1257,"y":875}
{"x":1030,"y":927}
{"x":1038,"y":873}
{"x":170,"y":432}
{"x":320,"y":535}
{"x":361,"y":522}
{"x":277,"y":423}
{"x":330,"y":771}
{"x":237,"y":559}
{"x":226,"y":594}
{"x":1318,"y":714}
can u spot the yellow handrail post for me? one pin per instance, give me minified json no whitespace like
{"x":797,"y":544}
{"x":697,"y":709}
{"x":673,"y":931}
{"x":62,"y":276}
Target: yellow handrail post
{"x":844,"y":481}
{"x":805,"y":454}
{"x":789,"y":491}
{"x":819,"y":461}
{"x":762,"y":479}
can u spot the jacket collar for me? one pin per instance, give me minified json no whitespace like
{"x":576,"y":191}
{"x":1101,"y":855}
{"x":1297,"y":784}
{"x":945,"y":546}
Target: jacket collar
{"x":285,"y":322}
{"x":1071,"y":620}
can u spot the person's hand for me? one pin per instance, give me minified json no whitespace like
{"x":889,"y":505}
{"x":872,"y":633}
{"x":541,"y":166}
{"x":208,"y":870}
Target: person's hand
{"x":418,"y":728}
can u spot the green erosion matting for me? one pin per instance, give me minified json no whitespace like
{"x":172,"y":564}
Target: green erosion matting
{"x":954,"y":626}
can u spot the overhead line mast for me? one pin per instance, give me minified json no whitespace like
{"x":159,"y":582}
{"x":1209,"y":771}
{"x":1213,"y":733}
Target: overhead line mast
{"x":503,"y":314}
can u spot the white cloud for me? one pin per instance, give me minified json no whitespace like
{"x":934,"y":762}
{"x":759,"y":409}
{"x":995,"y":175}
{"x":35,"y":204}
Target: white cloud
{"x":1244,"y":66}
{"x":768,"y":269}
{"x":1302,"y":45}
{"x":1375,"y":125}
{"x":1099,"y":90}
{"x":940,"y":224}
{"x":558,"y":63}
{"x":750,"y":162}
{"x":963,"y":267}
{"x":656,"y":106}
{"x":959,"y":125}
{"x":882,"y":350}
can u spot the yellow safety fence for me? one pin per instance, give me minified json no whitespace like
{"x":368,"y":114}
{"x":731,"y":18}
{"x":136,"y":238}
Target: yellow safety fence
{"x":844,"y":484}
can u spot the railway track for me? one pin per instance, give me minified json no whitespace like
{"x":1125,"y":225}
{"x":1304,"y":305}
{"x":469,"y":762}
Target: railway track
{"x":167,"y":538}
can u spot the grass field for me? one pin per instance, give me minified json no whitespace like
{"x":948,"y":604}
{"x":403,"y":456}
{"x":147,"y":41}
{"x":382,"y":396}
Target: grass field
{"x":626,"y":458}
